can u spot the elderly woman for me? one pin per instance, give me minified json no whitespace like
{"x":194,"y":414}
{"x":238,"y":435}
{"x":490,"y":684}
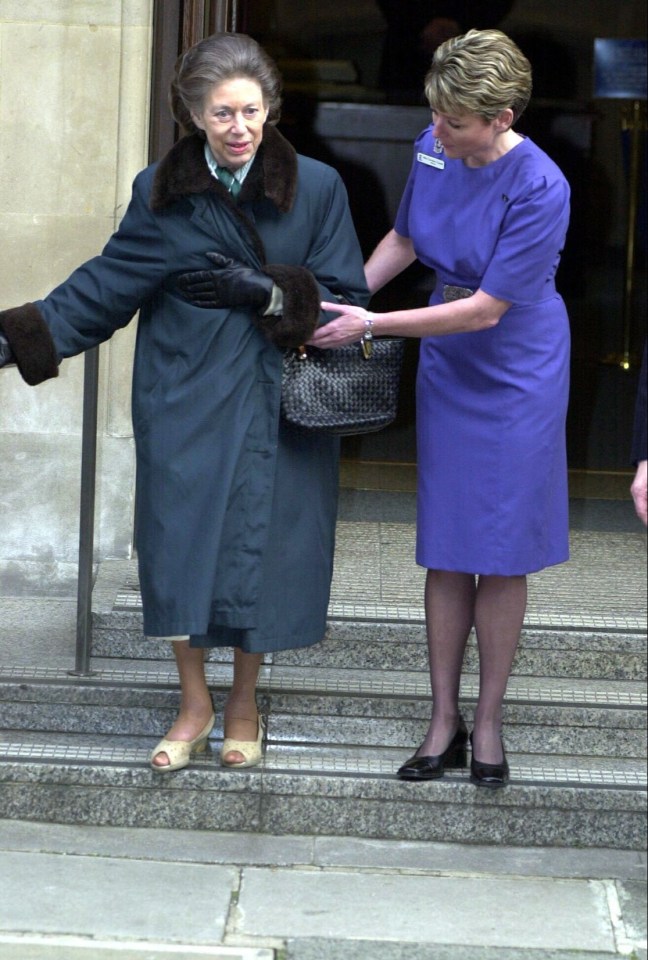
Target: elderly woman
{"x":488,"y":211}
{"x":235,"y":511}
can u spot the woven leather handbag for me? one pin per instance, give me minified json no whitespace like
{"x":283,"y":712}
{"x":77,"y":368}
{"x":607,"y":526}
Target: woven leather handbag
{"x":346,"y":390}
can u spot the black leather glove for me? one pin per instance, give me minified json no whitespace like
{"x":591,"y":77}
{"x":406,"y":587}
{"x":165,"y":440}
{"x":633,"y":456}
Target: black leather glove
{"x":6,"y":355}
{"x":231,"y":284}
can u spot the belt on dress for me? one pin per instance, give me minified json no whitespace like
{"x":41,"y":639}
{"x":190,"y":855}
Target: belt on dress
{"x":450,"y":292}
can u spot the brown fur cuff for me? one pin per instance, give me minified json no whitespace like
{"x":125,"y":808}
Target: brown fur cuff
{"x":31,"y":343}
{"x":301,"y":306}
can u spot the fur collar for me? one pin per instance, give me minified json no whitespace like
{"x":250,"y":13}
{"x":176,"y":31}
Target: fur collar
{"x":184,"y":171}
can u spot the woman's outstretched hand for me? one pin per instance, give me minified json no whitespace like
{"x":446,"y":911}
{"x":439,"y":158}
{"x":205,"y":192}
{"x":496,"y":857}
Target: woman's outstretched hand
{"x":349,"y":327}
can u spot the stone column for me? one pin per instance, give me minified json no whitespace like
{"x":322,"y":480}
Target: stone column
{"x":74,"y":105}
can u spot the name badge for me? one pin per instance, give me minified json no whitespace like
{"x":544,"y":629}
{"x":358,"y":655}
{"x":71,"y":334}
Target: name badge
{"x":430,"y":161}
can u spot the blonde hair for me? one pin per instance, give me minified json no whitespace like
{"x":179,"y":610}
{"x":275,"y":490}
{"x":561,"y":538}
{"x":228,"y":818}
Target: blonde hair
{"x":213,"y":61}
{"x":482,"y":72}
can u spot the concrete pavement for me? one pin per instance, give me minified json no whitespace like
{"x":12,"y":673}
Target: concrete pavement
{"x":80,"y":893}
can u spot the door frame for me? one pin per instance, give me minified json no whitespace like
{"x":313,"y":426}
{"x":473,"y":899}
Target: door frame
{"x":177,"y":25}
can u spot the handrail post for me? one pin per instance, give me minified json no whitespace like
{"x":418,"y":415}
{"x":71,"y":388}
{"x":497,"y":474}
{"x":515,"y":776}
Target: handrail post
{"x":87,"y":513}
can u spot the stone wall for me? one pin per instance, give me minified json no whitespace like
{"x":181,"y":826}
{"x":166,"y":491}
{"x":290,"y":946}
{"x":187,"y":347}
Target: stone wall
{"x":74,"y":102}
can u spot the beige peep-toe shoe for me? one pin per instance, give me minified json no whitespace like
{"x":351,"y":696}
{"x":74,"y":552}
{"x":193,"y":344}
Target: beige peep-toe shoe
{"x":179,"y":751}
{"x":252,"y":750}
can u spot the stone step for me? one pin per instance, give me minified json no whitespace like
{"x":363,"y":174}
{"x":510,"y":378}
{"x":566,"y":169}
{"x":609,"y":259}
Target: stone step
{"x":342,"y":716}
{"x":538,"y":738}
{"x":324,"y":680}
{"x":91,"y":748}
{"x":322,"y":790}
{"x":550,"y":652}
{"x":298,"y":717}
{"x":375,"y":578}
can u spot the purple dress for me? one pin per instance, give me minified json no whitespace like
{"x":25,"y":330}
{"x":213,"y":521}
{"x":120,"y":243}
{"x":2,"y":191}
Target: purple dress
{"x":491,"y":405}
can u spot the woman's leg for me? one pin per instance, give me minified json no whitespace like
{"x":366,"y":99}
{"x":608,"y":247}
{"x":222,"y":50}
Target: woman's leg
{"x":195,"y":700}
{"x":499,"y":615}
{"x":449,"y":613}
{"x":241,"y":714}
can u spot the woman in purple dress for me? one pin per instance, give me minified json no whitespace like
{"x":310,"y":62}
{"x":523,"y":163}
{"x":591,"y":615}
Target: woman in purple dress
{"x":488,"y":211}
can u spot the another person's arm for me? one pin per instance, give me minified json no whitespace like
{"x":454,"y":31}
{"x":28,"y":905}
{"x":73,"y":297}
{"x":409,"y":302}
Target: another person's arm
{"x":640,"y":445}
{"x":639,"y":490}
{"x":477,"y":312}
{"x":392,"y":255}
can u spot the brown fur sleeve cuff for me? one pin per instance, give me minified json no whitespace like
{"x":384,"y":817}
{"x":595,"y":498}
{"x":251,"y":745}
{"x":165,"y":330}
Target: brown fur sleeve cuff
{"x":31,"y":343}
{"x":301,"y":306}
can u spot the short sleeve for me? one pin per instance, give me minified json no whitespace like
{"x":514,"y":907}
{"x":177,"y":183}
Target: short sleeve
{"x":401,"y":224}
{"x":527,"y":252}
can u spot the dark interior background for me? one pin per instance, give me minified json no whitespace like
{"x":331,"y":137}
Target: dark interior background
{"x":353,"y":80}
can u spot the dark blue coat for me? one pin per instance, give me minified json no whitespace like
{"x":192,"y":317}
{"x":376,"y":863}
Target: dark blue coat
{"x":235,"y":512}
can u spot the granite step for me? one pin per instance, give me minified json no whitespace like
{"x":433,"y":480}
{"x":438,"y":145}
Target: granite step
{"x":342,"y":716}
{"x":350,"y":718}
{"x":345,"y":713}
{"x":325,"y":758}
{"x":322,"y":791}
{"x":331,"y":680}
{"x":548,"y":652}
{"x":75,"y":750}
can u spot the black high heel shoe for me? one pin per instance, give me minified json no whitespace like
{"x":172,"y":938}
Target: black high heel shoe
{"x":493,"y":775}
{"x":432,"y":768}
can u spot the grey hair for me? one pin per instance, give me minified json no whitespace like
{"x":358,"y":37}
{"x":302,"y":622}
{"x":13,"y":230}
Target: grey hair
{"x":481,"y":72}
{"x":213,"y":61}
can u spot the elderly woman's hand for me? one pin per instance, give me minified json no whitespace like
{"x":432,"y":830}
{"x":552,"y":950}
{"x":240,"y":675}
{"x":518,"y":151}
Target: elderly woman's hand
{"x":6,"y":355}
{"x":229,"y":284}
{"x":350,"y":327}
